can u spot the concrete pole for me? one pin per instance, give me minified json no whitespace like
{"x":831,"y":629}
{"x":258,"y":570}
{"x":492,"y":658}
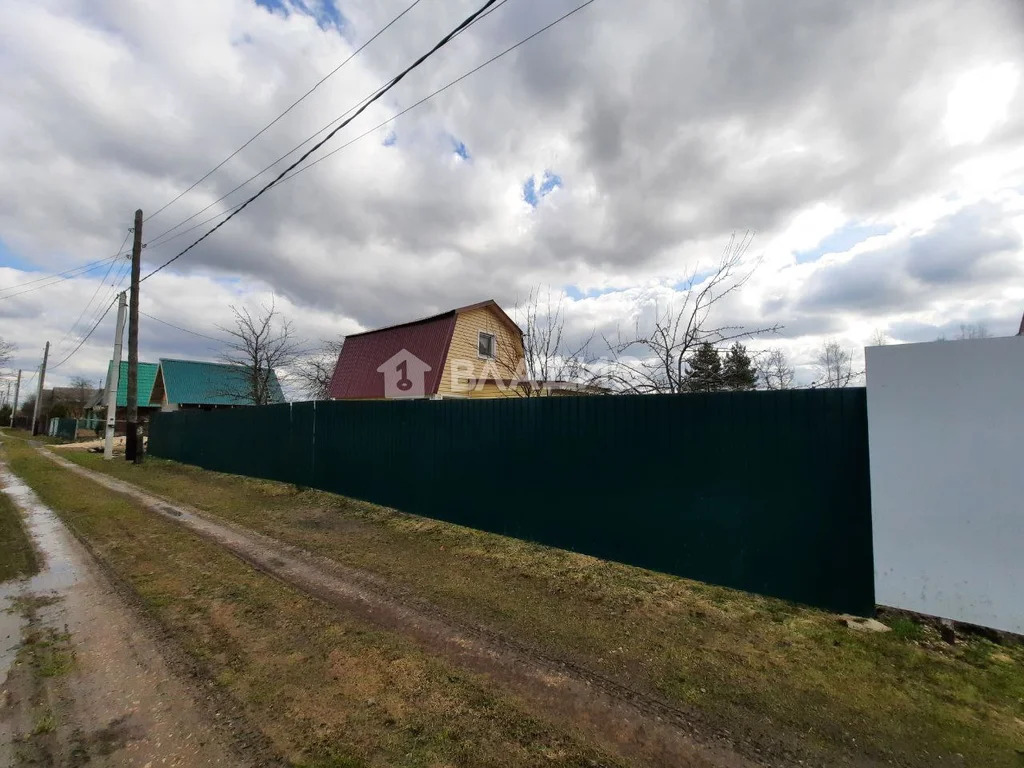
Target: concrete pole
{"x":17,"y":391}
{"x":39,"y":390}
{"x":112,"y":380}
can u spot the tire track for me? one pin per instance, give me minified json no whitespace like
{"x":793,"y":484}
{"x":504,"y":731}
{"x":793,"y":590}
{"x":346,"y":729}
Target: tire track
{"x":633,"y":723}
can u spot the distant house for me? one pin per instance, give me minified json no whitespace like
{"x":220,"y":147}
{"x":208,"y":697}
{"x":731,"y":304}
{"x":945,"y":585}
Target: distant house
{"x":474,"y":351}
{"x":447,"y":355}
{"x":74,"y":401}
{"x":193,"y":384}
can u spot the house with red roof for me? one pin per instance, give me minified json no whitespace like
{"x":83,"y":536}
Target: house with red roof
{"x":471,"y":351}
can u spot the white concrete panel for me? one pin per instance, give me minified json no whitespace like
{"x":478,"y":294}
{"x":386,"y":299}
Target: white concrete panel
{"x":946,"y":435}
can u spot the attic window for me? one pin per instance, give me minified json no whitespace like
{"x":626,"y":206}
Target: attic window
{"x":485,"y":345}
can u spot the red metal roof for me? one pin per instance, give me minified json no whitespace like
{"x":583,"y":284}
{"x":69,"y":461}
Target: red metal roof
{"x":356,"y":375}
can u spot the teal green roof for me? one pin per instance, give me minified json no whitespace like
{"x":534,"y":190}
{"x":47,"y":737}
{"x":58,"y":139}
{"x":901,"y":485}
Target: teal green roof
{"x":198,"y":383}
{"x":147,"y":377}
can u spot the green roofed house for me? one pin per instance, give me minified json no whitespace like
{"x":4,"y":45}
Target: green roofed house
{"x":193,"y":384}
{"x":147,"y":376}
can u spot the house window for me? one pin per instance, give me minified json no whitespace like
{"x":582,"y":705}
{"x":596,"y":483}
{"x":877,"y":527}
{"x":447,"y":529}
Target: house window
{"x":485,"y":345}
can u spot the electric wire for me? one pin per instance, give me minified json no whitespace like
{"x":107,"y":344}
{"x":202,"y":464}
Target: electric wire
{"x":60,"y":277}
{"x":360,"y":105}
{"x":384,"y":122}
{"x":439,"y":90}
{"x":95,"y":292}
{"x":100,"y":313}
{"x":178,"y":327}
{"x":84,"y":338}
{"x":397,"y":79}
{"x":292,"y":106}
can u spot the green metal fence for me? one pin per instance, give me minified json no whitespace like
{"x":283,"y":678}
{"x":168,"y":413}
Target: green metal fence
{"x":66,"y":429}
{"x":763,"y":491}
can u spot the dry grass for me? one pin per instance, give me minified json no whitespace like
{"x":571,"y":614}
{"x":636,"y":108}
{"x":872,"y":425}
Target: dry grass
{"x":774,"y":669}
{"x":326,"y":690}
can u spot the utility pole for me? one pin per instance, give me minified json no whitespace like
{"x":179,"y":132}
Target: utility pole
{"x":39,"y":391}
{"x":17,"y":390}
{"x":113,"y":380}
{"x":133,"y":439}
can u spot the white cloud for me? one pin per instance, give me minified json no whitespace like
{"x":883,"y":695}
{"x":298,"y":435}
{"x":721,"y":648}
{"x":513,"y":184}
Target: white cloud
{"x":670,"y":127}
{"x":979,"y":101}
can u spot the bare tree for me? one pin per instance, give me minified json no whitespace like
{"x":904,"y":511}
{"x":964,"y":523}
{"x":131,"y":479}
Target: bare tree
{"x":83,"y":392}
{"x":314,"y":372}
{"x":879,"y":338}
{"x":654,"y":360}
{"x":775,"y":371}
{"x":548,"y":355}
{"x":260,"y":344}
{"x":974,"y":331}
{"x":6,"y":352}
{"x":835,"y":366}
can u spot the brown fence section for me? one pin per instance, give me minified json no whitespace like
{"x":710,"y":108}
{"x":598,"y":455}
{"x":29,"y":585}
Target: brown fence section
{"x":763,"y":491}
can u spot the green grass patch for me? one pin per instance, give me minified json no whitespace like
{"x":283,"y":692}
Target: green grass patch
{"x":25,"y":434}
{"x":17,"y":555}
{"x":907,"y":629}
{"x":46,"y":722}
{"x":325,"y":689}
{"x":48,"y":652}
{"x":751,"y":664}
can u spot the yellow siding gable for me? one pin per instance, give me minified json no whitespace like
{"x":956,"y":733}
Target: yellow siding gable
{"x":464,"y":361}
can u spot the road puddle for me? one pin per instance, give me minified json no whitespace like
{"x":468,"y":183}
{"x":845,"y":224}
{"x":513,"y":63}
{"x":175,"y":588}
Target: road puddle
{"x":93,"y":686}
{"x":60,"y":569}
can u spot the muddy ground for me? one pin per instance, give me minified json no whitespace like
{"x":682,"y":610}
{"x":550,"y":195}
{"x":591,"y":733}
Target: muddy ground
{"x":85,"y":681}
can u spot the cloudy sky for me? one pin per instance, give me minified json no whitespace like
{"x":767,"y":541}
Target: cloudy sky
{"x":876,"y":149}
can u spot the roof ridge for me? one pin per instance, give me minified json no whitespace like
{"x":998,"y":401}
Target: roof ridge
{"x":454,"y":311}
{"x":201,"y":362}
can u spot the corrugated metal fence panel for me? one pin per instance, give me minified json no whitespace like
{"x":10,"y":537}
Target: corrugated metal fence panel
{"x":763,"y":491}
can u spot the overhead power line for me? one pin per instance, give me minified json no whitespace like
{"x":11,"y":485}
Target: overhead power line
{"x":112,"y":293}
{"x":95,"y":293}
{"x":375,"y":128}
{"x":440,"y":90}
{"x":397,"y":79}
{"x":292,"y":106}
{"x":359,"y":105}
{"x":84,"y":338}
{"x":58,"y":277}
{"x":178,"y":327}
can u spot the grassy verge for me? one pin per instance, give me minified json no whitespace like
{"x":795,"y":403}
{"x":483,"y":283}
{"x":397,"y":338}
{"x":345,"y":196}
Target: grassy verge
{"x":17,"y":557}
{"x":25,"y":434}
{"x":326,"y":690}
{"x":741,"y":659}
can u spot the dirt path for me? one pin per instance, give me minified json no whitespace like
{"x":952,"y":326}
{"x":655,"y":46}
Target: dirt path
{"x":635,"y":724}
{"x":83,"y":682}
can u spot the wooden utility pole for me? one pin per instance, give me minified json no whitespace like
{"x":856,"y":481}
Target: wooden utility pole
{"x":17,"y":391}
{"x":133,"y":438}
{"x":39,"y":390}
{"x":113,"y":380}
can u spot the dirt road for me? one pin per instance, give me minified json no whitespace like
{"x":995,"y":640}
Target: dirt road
{"x":634,"y":724}
{"x":84,"y":682}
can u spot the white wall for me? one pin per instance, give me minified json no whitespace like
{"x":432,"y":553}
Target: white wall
{"x":946,"y":434}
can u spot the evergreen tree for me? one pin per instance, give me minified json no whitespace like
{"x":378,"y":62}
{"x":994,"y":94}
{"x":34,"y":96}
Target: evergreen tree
{"x":705,"y":373}
{"x":738,"y":371}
